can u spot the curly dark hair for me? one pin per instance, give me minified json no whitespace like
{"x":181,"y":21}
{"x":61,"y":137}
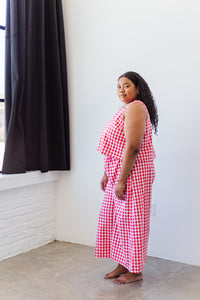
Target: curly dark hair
{"x":144,"y":95}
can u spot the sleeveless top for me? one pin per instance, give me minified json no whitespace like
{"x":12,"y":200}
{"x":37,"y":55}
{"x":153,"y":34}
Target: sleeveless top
{"x":112,"y":141}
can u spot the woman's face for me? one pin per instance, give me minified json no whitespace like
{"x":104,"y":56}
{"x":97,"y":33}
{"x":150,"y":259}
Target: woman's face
{"x":126,"y":90}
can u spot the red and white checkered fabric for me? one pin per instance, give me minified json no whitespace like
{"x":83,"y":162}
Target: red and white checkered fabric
{"x":123,"y":227}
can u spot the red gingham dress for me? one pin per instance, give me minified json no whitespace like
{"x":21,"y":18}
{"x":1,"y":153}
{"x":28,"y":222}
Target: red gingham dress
{"x":123,"y":226}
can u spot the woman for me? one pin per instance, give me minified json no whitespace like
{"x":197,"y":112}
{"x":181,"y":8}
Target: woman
{"x":126,"y":143}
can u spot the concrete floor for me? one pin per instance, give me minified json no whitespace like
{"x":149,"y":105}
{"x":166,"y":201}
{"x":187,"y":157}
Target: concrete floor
{"x":64,"y":271}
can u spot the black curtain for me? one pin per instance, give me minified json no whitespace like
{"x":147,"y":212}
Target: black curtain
{"x":36,"y":98}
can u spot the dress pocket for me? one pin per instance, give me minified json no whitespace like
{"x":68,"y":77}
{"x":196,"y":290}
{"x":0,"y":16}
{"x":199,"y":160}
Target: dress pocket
{"x":119,"y":209}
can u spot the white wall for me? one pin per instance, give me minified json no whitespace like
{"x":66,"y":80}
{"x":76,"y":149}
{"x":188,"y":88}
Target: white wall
{"x":159,"y":40}
{"x":27,"y":211}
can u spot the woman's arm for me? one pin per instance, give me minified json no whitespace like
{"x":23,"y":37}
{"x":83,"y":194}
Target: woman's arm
{"x":134,"y":127}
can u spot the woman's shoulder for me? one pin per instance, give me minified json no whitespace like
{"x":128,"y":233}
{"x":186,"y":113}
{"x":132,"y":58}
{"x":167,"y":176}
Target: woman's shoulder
{"x":138,"y":103}
{"x":136,"y":107}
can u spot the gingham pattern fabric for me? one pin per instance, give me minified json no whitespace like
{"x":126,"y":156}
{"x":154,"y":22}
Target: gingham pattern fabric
{"x":123,"y":227}
{"x":112,"y":141}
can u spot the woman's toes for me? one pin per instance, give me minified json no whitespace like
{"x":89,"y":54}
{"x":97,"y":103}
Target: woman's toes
{"x":116,"y":272}
{"x":117,"y":282}
{"x":128,"y":278}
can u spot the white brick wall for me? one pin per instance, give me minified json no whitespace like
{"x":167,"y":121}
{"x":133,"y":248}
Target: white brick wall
{"x":27,"y":218}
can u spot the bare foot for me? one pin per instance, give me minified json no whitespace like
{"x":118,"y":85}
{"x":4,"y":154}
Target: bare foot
{"x":116,"y":272}
{"x":128,"y":278}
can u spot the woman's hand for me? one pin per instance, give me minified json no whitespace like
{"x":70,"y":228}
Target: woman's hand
{"x":104,"y":181}
{"x":119,"y":190}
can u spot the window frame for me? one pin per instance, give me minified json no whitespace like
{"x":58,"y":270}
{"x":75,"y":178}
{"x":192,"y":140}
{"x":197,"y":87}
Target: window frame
{"x":1,"y":99}
{"x":2,"y":28}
